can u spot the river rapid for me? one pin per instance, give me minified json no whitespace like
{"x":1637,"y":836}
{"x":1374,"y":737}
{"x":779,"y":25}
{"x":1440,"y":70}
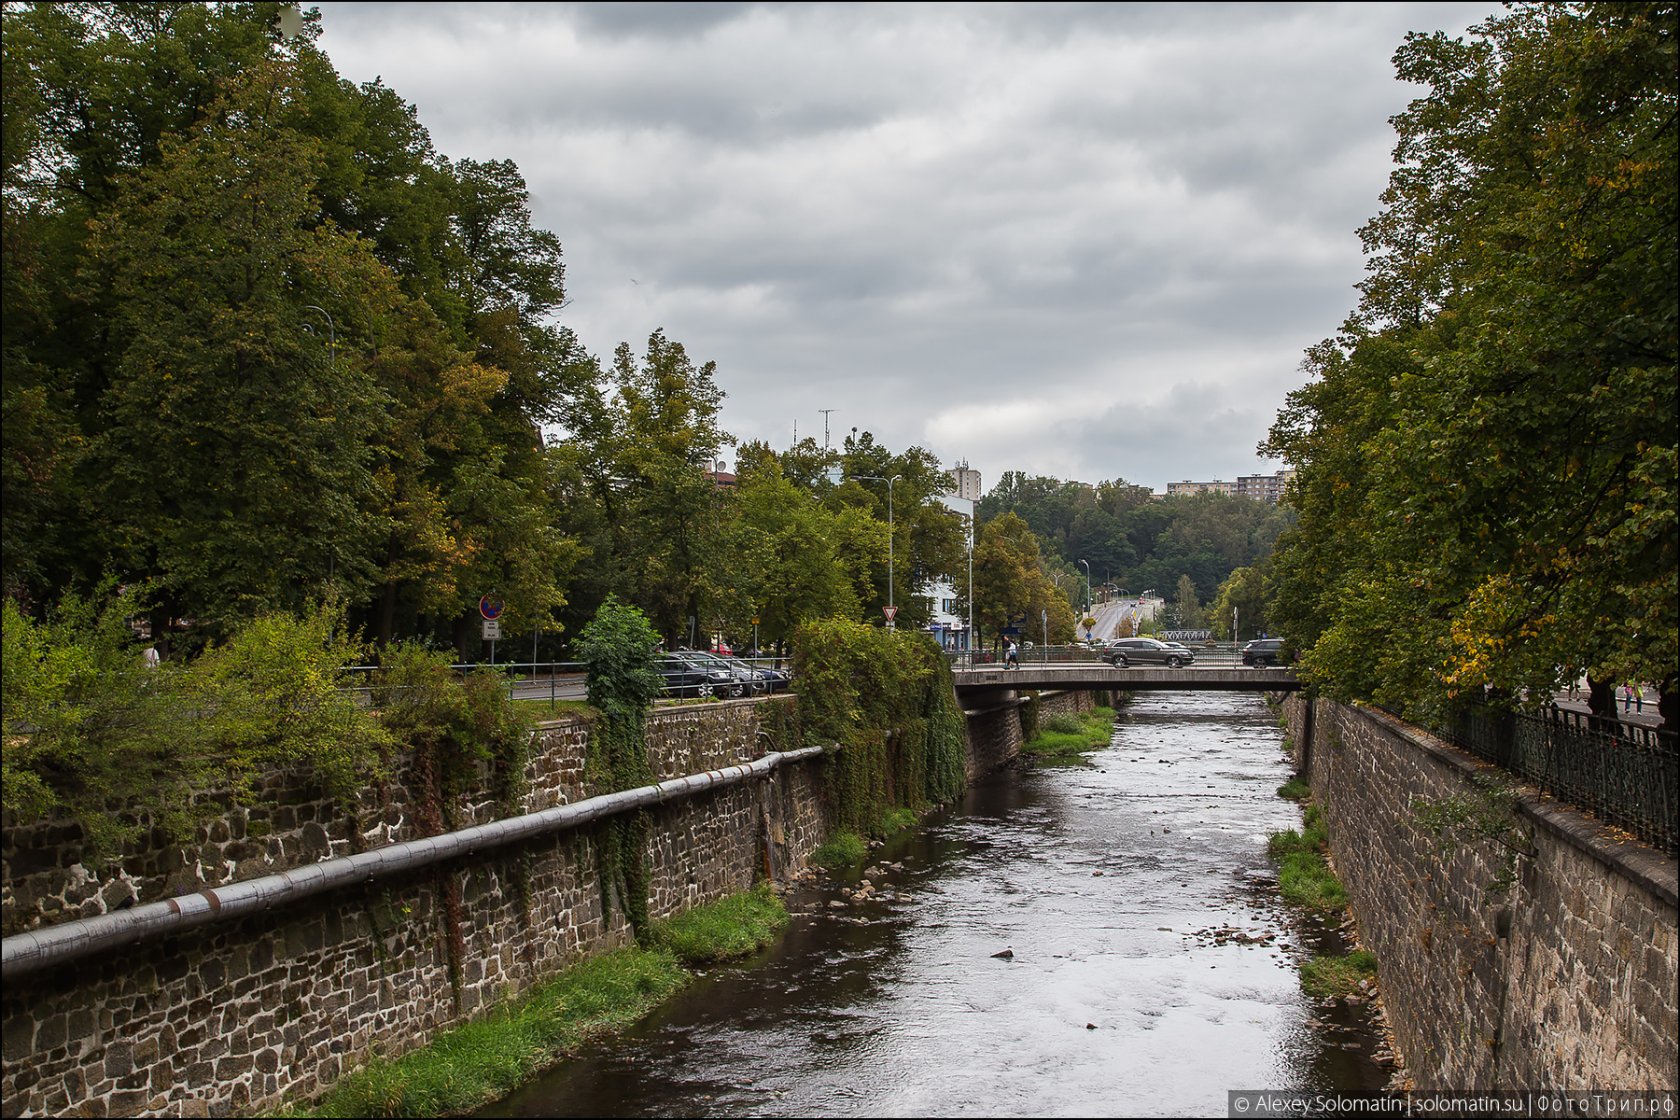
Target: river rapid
{"x":1090,"y":941}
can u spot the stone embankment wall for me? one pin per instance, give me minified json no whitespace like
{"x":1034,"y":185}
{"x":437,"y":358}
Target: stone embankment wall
{"x":234,"y":1016}
{"x":995,"y":723}
{"x":1565,"y":981}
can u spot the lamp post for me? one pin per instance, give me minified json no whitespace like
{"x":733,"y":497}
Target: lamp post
{"x":891,"y":623}
{"x":332,"y":365}
{"x":1087,"y":594}
{"x":972,"y":509}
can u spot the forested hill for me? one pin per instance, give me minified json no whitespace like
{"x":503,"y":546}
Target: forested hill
{"x":1130,"y":539}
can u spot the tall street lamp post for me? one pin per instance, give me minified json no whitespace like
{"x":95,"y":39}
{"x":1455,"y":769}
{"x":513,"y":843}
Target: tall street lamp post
{"x":891,"y":603}
{"x":1087,"y":612}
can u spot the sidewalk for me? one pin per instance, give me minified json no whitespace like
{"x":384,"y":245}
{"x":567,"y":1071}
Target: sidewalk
{"x":1647,"y":718}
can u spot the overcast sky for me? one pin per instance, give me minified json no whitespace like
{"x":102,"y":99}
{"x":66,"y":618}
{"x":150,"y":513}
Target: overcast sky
{"x":1082,"y":241}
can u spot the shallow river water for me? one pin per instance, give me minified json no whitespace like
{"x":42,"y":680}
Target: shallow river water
{"x":1150,"y":966}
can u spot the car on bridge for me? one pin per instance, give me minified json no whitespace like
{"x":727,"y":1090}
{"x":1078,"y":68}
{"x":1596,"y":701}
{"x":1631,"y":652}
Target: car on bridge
{"x":1263,"y":652}
{"x":1123,"y":652}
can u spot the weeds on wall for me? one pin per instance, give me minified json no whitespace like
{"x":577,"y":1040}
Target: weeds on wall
{"x":1487,"y":815}
{"x":886,"y":699}
{"x":463,"y":731}
{"x":125,"y":748}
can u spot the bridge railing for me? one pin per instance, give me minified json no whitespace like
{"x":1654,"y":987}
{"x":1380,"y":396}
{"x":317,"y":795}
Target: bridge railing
{"x":1627,"y":775}
{"x":1219,"y":655}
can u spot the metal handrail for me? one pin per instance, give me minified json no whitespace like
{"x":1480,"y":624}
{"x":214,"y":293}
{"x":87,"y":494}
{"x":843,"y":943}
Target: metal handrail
{"x":24,"y":953}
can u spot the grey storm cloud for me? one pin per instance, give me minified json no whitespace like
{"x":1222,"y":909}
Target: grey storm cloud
{"x":1091,"y":241}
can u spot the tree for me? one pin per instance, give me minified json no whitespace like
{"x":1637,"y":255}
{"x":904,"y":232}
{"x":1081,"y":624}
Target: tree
{"x":1187,"y":606}
{"x":232,"y":464}
{"x":1488,"y":469}
{"x":1241,"y":603}
{"x":1010,"y":586}
{"x":785,"y":559}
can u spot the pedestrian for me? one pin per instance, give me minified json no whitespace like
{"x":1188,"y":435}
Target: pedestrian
{"x":1011,"y":655}
{"x":152,"y":657}
{"x":1638,"y":698}
{"x":1627,"y":698}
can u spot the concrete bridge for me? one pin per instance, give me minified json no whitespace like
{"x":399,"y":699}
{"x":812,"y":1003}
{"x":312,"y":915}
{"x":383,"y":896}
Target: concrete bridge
{"x":1079,"y":675}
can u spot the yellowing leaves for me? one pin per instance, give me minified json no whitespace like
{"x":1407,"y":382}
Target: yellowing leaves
{"x":470,"y":385}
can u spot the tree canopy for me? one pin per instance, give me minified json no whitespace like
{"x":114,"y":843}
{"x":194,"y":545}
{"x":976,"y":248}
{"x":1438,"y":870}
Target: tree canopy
{"x":1487,"y":451}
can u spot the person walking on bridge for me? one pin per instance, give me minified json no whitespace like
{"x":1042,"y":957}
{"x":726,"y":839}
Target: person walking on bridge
{"x":1011,"y":655}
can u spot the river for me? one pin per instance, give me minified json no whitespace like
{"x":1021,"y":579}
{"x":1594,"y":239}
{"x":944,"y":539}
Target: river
{"x":1148,"y":965}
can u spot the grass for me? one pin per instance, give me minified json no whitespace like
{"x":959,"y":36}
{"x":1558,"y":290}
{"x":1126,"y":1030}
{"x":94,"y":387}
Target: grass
{"x":1066,"y":737}
{"x":1294,"y":790}
{"x":1304,"y":875}
{"x":735,"y":927}
{"x":472,"y":1065}
{"x":1326,"y":977}
{"x":842,"y":850}
{"x":895,"y":820}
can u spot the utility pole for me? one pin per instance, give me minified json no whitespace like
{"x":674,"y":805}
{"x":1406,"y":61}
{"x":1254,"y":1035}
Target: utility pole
{"x":825,"y":412}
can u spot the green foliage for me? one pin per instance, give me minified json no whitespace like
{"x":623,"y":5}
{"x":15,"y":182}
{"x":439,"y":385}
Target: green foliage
{"x":1487,"y":460}
{"x":1487,"y":815}
{"x":1131,"y":539}
{"x":617,"y":650}
{"x":274,"y":697}
{"x":1304,"y":875}
{"x":735,"y":927}
{"x":1295,"y":790}
{"x":259,"y":339}
{"x":90,"y":730}
{"x":96,"y":733}
{"x":842,"y":850}
{"x":462,"y":726}
{"x":1330,"y":977}
{"x":886,"y":698}
{"x":1011,"y":586}
{"x":1244,"y":591}
{"x":1066,"y":737}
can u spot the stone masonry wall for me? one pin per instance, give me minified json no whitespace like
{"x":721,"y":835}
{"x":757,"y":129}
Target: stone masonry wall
{"x":1566,"y":981}
{"x":232,"y":1017}
{"x":44,"y":881}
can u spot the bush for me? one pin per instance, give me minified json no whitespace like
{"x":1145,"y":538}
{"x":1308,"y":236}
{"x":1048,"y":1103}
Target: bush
{"x":123,"y":747}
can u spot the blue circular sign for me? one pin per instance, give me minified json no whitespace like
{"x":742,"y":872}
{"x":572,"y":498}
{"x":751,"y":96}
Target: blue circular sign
{"x":490,"y":607}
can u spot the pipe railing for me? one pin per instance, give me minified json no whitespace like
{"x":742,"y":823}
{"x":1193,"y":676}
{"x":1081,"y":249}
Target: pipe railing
{"x":24,"y":953}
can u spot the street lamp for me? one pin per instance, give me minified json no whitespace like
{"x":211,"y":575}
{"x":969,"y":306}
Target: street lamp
{"x":332,"y":334}
{"x":1087,"y":592}
{"x":332,"y":365}
{"x":889,"y":481}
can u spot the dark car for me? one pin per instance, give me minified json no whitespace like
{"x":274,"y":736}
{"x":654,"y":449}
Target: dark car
{"x":744,"y":678}
{"x":1147,"y":651}
{"x":1262,"y":652}
{"x":686,"y":676}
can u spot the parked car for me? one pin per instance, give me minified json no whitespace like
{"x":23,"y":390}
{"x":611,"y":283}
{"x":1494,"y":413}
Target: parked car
{"x":1147,"y":651}
{"x":743,"y":678}
{"x":1262,"y":652}
{"x":686,"y":676}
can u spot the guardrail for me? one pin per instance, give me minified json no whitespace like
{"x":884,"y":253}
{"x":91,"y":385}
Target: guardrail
{"x":1222,"y":655}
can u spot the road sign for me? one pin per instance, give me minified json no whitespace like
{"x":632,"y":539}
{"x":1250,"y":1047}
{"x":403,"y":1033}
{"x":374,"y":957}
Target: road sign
{"x":889,"y":612}
{"x":490,"y":607}
{"x":492,"y":630}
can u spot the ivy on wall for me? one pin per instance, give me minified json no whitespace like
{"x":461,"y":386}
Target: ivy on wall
{"x":887,"y":700}
{"x":617,"y":650}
